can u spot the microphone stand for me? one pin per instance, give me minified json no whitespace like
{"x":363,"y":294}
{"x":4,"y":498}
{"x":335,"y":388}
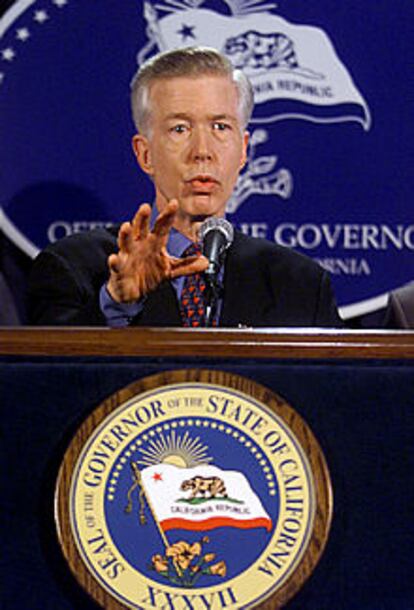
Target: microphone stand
{"x":214,"y":291}
{"x":216,"y":235}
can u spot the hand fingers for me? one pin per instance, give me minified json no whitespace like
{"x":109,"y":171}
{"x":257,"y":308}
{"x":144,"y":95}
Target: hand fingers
{"x":114,"y":263}
{"x":141,"y":222}
{"x":165,"y":220}
{"x":125,"y":237}
{"x":187,"y":266}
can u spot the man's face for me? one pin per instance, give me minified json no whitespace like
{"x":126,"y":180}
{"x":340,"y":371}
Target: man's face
{"x":195,"y":148}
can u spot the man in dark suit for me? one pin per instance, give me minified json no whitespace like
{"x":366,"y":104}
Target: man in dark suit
{"x":191,"y":110}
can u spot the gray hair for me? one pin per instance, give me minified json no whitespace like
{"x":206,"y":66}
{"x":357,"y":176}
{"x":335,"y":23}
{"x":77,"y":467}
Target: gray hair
{"x":192,"y":62}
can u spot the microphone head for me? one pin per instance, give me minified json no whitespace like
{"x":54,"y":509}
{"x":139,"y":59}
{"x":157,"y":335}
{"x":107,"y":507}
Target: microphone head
{"x":216,"y":234}
{"x":217,"y":224}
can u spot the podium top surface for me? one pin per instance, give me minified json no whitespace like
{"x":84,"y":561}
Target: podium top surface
{"x":216,"y":343}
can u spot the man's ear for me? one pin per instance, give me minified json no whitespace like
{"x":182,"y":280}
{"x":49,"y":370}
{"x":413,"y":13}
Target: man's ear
{"x":142,"y":152}
{"x":246,"y":136}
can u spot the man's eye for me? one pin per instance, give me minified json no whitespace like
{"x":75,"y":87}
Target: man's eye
{"x":220,"y":126}
{"x":178,"y":128}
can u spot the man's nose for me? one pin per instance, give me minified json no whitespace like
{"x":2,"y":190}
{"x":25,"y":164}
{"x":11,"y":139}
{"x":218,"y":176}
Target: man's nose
{"x":201,"y":145}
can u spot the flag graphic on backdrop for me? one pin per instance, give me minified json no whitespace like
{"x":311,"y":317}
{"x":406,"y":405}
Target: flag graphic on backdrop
{"x":294,"y":69}
{"x":202,"y":498}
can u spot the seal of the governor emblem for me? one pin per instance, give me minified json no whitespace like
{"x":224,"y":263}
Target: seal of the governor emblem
{"x":193,"y":490}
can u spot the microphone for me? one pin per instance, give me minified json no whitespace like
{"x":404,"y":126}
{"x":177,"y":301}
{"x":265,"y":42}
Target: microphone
{"x":216,"y":235}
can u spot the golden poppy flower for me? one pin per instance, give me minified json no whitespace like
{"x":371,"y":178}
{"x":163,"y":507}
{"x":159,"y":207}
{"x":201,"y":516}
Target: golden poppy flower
{"x":220,"y":569}
{"x":160,"y":563}
{"x":183,"y":553}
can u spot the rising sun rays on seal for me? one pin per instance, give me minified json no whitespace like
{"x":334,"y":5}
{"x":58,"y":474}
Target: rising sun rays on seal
{"x":182,"y":451}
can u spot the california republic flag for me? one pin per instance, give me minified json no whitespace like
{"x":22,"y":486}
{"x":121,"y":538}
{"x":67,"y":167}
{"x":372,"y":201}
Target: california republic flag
{"x":202,"y":498}
{"x":294,"y":68}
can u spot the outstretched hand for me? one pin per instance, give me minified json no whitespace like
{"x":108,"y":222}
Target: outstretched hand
{"x":142,"y":261}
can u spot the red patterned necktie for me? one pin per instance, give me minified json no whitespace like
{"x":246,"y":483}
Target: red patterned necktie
{"x":192,"y":304}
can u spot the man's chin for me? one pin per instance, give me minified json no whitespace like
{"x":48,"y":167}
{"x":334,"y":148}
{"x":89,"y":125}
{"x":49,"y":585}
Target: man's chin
{"x":201,"y":207}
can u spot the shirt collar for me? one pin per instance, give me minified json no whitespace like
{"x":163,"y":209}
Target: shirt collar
{"x":177,"y":242}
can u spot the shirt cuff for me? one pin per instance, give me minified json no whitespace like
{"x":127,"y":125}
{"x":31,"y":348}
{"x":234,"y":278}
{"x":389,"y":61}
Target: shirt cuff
{"x":118,"y":315}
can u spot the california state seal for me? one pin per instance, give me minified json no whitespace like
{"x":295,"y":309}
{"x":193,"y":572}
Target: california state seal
{"x":193,"y":490}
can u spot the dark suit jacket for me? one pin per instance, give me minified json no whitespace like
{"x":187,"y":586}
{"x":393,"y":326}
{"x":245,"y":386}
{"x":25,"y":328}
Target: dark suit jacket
{"x":265,"y":285}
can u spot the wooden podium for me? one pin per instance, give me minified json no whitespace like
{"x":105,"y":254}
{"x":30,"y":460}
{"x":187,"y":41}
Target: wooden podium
{"x":355,"y":390}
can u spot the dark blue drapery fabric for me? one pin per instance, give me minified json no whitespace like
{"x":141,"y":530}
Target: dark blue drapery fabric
{"x":360,"y":411}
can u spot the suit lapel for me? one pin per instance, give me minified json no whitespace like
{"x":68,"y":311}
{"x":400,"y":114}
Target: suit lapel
{"x":242,"y":287}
